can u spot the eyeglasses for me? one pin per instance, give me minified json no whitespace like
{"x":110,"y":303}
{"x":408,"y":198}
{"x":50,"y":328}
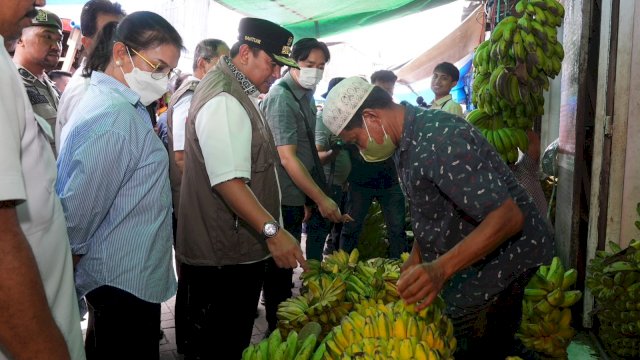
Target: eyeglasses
{"x":157,"y":73}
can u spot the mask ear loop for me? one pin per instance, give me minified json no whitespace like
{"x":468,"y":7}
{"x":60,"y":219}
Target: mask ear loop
{"x":366,"y":128}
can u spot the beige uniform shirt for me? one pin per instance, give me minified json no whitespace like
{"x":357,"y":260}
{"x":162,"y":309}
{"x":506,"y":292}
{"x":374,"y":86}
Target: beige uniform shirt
{"x":28,"y":174}
{"x":43,"y":97}
{"x":447,"y":104}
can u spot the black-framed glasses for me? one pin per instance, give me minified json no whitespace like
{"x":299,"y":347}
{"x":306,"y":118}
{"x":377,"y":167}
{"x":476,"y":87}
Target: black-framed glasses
{"x":157,"y":73}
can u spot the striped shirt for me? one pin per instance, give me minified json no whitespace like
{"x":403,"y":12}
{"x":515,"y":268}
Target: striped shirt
{"x":114,"y":186}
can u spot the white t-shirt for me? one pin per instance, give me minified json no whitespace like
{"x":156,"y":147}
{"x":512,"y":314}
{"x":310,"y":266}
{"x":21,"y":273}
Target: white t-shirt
{"x":224,"y":131}
{"x":28,"y":174}
{"x":71,"y":96}
{"x":224,"y":134}
{"x":180,"y":113}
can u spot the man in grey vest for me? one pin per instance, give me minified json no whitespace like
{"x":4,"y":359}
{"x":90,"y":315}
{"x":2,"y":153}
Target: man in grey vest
{"x":229,"y":221}
{"x":205,"y":57}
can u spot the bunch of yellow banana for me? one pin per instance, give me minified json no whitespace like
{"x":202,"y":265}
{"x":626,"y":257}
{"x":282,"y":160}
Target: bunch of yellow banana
{"x":324,"y":302}
{"x":513,"y":67}
{"x":277,"y":348}
{"x":340,"y":261}
{"x":392,"y":331}
{"x":546,"y":314}
{"x":614,"y":280}
{"x":335,"y":285}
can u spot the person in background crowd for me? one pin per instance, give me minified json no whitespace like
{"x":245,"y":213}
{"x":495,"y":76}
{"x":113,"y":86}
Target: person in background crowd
{"x":445,"y":77}
{"x":60,"y":79}
{"x":371,"y":179}
{"x":39,"y":317}
{"x":121,"y":239}
{"x":527,"y":172}
{"x":37,"y":51}
{"x":205,"y":57}
{"x":229,"y":218}
{"x":290,"y":111}
{"x":161,"y":125}
{"x":95,"y":14}
{"x":479,"y":237}
{"x":337,"y":166}
{"x":386,"y":79}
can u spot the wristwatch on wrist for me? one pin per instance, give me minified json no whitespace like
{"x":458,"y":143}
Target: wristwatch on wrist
{"x":270,"y":229}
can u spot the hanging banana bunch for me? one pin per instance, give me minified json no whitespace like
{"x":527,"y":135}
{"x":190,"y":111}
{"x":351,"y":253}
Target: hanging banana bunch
{"x":511,"y":70}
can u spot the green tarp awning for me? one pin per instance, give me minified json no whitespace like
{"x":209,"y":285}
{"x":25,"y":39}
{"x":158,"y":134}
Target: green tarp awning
{"x":321,"y":18}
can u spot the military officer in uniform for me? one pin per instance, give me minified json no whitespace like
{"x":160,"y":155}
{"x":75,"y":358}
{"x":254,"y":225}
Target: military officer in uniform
{"x":37,"y":51}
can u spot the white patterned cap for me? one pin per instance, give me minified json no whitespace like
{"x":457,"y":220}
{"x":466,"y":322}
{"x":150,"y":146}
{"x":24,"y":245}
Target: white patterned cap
{"x":343,"y":101}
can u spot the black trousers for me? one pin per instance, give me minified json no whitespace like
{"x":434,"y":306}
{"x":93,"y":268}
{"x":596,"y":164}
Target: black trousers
{"x":277,"y":281}
{"x":121,"y":326}
{"x":491,"y":332}
{"x":222,"y":302}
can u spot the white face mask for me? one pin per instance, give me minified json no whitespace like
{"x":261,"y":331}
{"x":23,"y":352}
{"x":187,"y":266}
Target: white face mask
{"x":144,"y":85}
{"x":309,"y":77}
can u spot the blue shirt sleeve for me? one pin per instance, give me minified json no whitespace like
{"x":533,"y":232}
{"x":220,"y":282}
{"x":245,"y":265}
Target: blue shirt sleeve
{"x":96,"y":165}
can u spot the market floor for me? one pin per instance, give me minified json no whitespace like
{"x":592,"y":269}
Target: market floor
{"x":168,"y":350}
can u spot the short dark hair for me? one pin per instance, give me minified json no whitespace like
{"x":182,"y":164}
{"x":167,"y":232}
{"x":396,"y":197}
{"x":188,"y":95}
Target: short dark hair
{"x":303,"y":47}
{"x":56,"y":74}
{"x":90,"y":12}
{"x":449,"y":69}
{"x":206,"y":49}
{"x":235,"y":49}
{"x":383,"y":76}
{"x":378,"y":98}
{"x":138,"y":31}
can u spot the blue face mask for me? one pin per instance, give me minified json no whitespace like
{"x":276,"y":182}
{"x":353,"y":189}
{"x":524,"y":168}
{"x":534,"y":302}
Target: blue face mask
{"x":375,"y":152}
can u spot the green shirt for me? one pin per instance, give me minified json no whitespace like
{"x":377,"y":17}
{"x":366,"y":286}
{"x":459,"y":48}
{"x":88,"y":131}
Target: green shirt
{"x":286,"y":120}
{"x":326,"y":140}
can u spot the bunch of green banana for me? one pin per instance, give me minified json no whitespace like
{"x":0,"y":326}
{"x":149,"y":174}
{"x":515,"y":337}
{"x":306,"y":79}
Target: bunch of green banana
{"x":294,"y":347}
{"x":393,"y":331}
{"x":513,"y":67}
{"x":504,"y":138}
{"x":614,"y":280}
{"x":546,"y":314}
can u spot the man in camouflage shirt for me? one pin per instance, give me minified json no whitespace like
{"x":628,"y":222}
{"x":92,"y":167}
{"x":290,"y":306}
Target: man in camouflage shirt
{"x":478,"y":235}
{"x":38,"y":51}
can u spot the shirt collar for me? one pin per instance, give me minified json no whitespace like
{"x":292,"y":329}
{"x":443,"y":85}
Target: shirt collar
{"x":442,"y":100}
{"x":101,"y":79}
{"x":245,"y":83}
{"x":26,"y":74}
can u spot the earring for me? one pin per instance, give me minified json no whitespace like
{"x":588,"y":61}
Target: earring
{"x":118,"y":62}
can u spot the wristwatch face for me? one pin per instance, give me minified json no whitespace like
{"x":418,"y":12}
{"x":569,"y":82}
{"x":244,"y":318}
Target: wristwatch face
{"x":270,"y":229}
